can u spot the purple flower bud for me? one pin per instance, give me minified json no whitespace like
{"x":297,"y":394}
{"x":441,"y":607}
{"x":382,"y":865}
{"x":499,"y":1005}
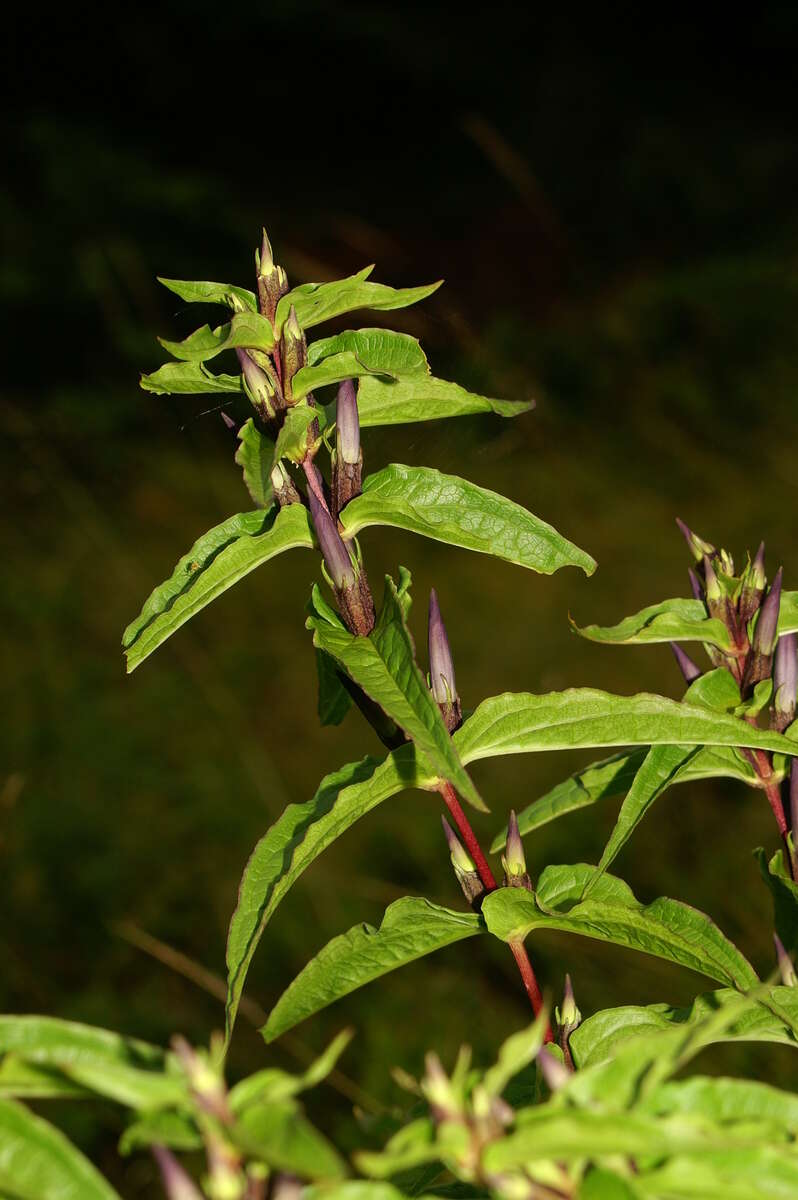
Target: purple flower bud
{"x":688,"y":668}
{"x":698,"y":547}
{"x":555,"y":1073}
{"x":265,"y":258}
{"x":758,"y":577}
{"x":461,"y":859}
{"x":753,"y":585}
{"x":513,"y":860}
{"x":785,"y":681}
{"x":335,"y":553}
{"x":570,"y":1017}
{"x":272,"y":280}
{"x":766,"y":630}
{"x":786,"y":967}
{"x":696,"y":585}
{"x":713,"y":588}
{"x":348,"y":423}
{"x":441,"y":665}
{"x":177,"y":1184}
{"x":257,"y":384}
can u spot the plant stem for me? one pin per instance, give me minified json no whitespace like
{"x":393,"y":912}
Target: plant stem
{"x":489,"y":883}
{"x":761,"y":763}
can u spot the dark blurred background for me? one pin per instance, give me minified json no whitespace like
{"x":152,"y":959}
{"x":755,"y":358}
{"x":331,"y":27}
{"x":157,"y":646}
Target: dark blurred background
{"x":610,"y":196}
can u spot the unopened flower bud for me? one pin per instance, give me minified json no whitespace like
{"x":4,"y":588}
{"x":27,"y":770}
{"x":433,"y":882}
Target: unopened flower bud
{"x":438,"y":1090}
{"x":719,"y":603}
{"x":765,"y":635}
{"x":786,"y":967}
{"x":697,"y":546}
{"x":569,"y":1016}
{"x":555,"y":1073}
{"x":513,"y":860}
{"x":177,"y":1184}
{"x":348,"y":457}
{"x":272,"y":280}
{"x":336,"y":556}
{"x":294,"y":350}
{"x":754,"y":581}
{"x":465,"y":869}
{"x":696,"y":586}
{"x":257,"y":386}
{"x":441,"y":667}
{"x":785,"y":680}
{"x":285,"y":491}
{"x":688,"y":668}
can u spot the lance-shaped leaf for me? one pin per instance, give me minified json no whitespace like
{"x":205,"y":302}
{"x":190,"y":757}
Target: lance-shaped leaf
{"x":665,"y":928}
{"x":788,"y":613}
{"x":784,"y":892}
{"x":205,"y":292}
{"x":420,"y":397}
{"x":724,"y":1100}
{"x":38,"y":1163}
{"x":345,"y":365}
{"x":214,"y":563}
{"x":177,"y":1130}
{"x":317,"y":302}
{"x":300,"y":834}
{"x":382,"y":351}
{"x":522,"y":723}
{"x":279,"y":1135}
{"x":384,"y":666}
{"x":334,"y":700}
{"x":123,"y":1069}
{"x":249,"y":330}
{"x":179,"y":378}
{"x":669,"y":621}
{"x":755,"y":1172}
{"x":612,"y":777}
{"x":453,"y":510}
{"x":255,"y":456}
{"x":598,"y":1038}
{"x":411,"y":928}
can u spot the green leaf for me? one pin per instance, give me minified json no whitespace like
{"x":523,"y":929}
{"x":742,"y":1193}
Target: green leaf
{"x":724,"y":1100}
{"x":453,"y":510}
{"x":177,"y":378}
{"x":205,"y":292}
{"x":784,"y":892}
{"x":606,"y":1185}
{"x":249,"y":330}
{"x":294,"y":440}
{"x":317,"y":302}
{"x":665,"y":928}
{"x":123,"y":1069}
{"x":175,"y":1130}
{"x":301,"y":834}
{"x":788,"y":613}
{"x":383,"y":665}
{"x":412,"y":1146}
{"x":515,"y":1053}
{"x":410,"y":928}
{"x":753,"y":1173}
{"x":522,"y":723}
{"x":599,"y":1037}
{"x":425,"y":398}
{"x":255,"y":456}
{"x":669,"y":621}
{"x":217,"y":560}
{"x":334,"y":700}
{"x":614,"y":776}
{"x":548,"y":1132}
{"x":272,"y":1085}
{"x":279,"y":1135}
{"x":26,"y":1081}
{"x":330,"y":370}
{"x":38,"y":1163}
{"x":382,"y":351}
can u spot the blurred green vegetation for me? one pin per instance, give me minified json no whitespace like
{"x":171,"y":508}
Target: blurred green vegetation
{"x":619,"y":240}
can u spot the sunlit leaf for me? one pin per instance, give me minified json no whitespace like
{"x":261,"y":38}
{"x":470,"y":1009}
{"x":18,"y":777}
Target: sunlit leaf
{"x":205,"y":292}
{"x":420,"y":397}
{"x":317,"y":302}
{"x":255,"y":456}
{"x":669,"y":621}
{"x":177,"y":378}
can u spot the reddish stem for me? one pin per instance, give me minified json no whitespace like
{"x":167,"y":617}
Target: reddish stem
{"x":489,"y":883}
{"x":761,"y":763}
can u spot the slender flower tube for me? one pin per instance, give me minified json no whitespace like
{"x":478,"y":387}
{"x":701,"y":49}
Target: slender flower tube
{"x":348,"y":457}
{"x":555,"y":1073}
{"x":696,"y":586}
{"x":765,"y":634}
{"x":177,"y":1184}
{"x":465,"y":868}
{"x":688,"y":668}
{"x":785,"y":680}
{"x":348,"y":577}
{"x":441,"y":667}
{"x":786,"y":967}
{"x":513,"y":860}
{"x":257,"y":386}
